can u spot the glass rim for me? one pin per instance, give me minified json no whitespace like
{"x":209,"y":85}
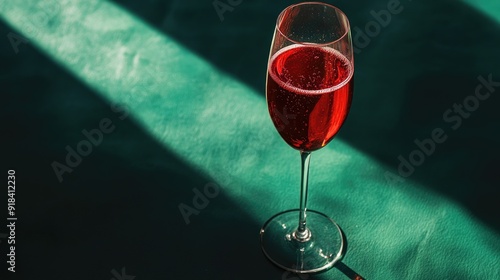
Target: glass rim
{"x":280,"y":16}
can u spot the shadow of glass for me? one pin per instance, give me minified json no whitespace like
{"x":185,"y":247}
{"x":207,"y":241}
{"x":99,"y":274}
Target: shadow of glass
{"x":342,"y":267}
{"x":351,"y":274}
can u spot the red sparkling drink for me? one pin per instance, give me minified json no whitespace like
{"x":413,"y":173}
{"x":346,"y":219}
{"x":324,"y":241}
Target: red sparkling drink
{"x":309,"y":92}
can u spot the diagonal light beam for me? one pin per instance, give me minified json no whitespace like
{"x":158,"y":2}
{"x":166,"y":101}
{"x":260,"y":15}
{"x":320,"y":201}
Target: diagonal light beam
{"x":491,"y":8}
{"x":220,"y":127}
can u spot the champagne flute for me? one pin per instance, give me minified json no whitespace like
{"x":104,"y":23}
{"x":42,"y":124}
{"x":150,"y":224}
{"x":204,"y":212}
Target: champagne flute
{"x":309,"y":93}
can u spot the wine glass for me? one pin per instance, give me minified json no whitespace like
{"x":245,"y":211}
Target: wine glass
{"x":309,"y":93}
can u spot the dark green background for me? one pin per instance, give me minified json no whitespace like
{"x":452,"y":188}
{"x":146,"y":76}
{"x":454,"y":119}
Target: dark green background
{"x":188,"y":126}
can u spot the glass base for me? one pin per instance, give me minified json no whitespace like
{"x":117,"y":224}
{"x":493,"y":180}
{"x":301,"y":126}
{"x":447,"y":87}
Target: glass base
{"x":320,"y":252}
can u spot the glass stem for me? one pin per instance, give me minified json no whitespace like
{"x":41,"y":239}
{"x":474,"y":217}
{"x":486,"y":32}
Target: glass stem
{"x":302,"y":233}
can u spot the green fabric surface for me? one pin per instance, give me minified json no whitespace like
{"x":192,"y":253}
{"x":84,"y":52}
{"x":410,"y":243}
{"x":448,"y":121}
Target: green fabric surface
{"x":184,"y":92}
